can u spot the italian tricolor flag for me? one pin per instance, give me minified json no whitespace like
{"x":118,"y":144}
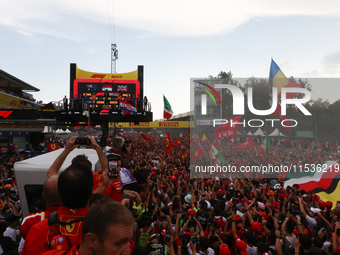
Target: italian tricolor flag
{"x":265,"y":145}
{"x":167,"y":109}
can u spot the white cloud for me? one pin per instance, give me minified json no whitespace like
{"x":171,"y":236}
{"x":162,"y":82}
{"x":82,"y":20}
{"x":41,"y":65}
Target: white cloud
{"x":331,"y":62}
{"x":312,"y":73}
{"x":176,"y":17}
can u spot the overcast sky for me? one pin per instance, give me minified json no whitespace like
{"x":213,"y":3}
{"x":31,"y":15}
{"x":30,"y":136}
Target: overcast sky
{"x":174,"y":40}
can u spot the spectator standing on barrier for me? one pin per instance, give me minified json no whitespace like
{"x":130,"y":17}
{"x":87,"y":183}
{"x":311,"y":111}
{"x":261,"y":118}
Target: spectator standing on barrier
{"x":65,"y":101}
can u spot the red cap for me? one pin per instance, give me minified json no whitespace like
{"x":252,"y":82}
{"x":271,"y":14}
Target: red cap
{"x":207,"y":183}
{"x":282,"y":195}
{"x":154,"y":173}
{"x":212,"y":195}
{"x":224,"y":249}
{"x":173,"y":178}
{"x":264,"y":215}
{"x":295,"y":232}
{"x":256,"y":226}
{"x":276,"y":206}
{"x":329,"y":203}
{"x":238,"y":218}
{"x":186,"y":176}
{"x":220,"y":190}
{"x":242,"y":247}
{"x":192,"y":211}
{"x":245,"y":201}
{"x":322,"y":204}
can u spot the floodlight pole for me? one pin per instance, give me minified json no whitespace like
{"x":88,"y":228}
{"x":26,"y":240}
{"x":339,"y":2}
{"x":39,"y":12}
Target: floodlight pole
{"x":114,"y":57}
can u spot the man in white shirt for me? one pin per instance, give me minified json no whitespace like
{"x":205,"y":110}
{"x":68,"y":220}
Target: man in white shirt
{"x":12,"y":231}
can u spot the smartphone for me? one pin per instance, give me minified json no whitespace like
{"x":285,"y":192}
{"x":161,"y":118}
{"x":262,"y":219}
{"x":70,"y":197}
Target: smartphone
{"x":82,"y":141}
{"x":167,"y":237}
{"x":194,"y":239}
{"x":113,"y":169}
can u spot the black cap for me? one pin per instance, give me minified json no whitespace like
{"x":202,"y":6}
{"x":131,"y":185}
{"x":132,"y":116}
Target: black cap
{"x":12,"y":217}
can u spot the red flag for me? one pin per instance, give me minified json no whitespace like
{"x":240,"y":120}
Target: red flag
{"x":177,"y":141}
{"x":199,"y":151}
{"x":52,"y":146}
{"x":169,"y":145}
{"x":226,"y":130}
{"x":278,"y":114}
{"x":308,"y":151}
{"x":247,"y":144}
{"x":147,"y":138}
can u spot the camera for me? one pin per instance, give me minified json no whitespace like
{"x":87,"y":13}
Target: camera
{"x":82,"y":141}
{"x":126,"y":143}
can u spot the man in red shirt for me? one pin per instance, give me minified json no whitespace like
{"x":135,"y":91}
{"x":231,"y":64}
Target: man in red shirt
{"x":103,"y":234}
{"x":75,"y":190}
{"x":114,"y":190}
{"x":53,"y":202}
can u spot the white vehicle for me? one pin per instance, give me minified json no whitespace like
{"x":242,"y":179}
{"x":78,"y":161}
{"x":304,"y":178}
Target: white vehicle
{"x":31,"y":173}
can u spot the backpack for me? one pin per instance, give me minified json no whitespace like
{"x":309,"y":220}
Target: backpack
{"x":59,"y":240}
{"x":272,"y":251}
{"x":142,"y":246}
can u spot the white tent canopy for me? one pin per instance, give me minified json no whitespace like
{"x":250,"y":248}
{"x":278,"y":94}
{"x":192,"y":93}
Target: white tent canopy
{"x":276,"y":132}
{"x":249,"y":133}
{"x":47,"y":129}
{"x":33,"y":171}
{"x":68,"y":131}
{"x":259,"y":132}
{"x":60,"y":131}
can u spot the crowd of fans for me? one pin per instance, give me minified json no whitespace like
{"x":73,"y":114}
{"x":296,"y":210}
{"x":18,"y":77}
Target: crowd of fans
{"x":19,"y":94}
{"x":143,"y":201}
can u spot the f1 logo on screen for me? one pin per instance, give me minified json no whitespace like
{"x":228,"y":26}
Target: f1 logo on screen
{"x":5,"y":114}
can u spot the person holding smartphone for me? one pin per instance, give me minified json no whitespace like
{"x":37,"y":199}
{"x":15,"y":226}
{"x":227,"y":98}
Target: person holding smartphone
{"x":114,"y":190}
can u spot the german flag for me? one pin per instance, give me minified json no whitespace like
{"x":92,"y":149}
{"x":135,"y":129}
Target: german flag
{"x":322,"y":180}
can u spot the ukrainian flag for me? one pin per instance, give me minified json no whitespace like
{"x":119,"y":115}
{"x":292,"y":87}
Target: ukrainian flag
{"x":278,"y":80}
